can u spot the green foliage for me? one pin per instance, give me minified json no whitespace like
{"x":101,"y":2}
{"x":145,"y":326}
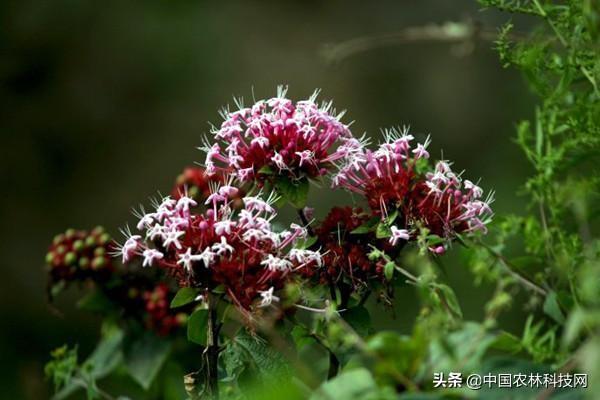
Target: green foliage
{"x":184,"y":296}
{"x":62,"y":366}
{"x":548,"y":255}
{"x":145,"y":356}
{"x":293,"y":192}
{"x":196,"y":326}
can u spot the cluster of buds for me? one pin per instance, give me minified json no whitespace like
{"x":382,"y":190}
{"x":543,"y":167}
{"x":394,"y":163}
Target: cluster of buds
{"x":216,"y":244}
{"x":345,"y":255}
{"x":396,"y":180}
{"x":279,"y":137}
{"x":159,"y":317}
{"x":79,"y":255}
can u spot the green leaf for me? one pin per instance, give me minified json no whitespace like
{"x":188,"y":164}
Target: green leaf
{"x":356,"y":384}
{"x":196,"y":326}
{"x":391,"y":218}
{"x":383,"y":231}
{"x":359,"y":319}
{"x":306,"y":243}
{"x":295,"y":193}
{"x":507,"y":342}
{"x":95,"y":301}
{"x":145,"y":357}
{"x":367,"y":227}
{"x":57,"y":288}
{"x":398,"y":353}
{"x":448,"y":299}
{"x":104,"y":359}
{"x":301,"y":337}
{"x":256,"y":355}
{"x":184,"y":296}
{"x":266,"y":170}
{"x":388,"y":270}
{"x":552,"y":308}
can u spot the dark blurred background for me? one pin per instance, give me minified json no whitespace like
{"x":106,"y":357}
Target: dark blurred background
{"x":103,"y":103}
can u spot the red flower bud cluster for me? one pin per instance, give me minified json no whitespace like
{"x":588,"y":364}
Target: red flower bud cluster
{"x":345,"y":255}
{"x":159,"y":317}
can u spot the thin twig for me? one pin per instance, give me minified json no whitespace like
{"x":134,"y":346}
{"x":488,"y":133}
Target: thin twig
{"x":509,"y":269}
{"x":449,"y":32}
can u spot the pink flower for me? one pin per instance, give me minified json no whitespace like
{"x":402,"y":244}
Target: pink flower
{"x":299,"y":139}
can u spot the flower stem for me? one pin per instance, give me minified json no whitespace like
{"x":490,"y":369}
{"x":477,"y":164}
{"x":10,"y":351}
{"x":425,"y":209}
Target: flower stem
{"x":211,"y":352}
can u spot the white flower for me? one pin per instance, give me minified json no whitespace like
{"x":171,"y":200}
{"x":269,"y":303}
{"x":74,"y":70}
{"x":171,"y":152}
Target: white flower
{"x":433,"y":188}
{"x":306,"y":156}
{"x":257,"y":204}
{"x":398,"y":234}
{"x":304,"y":256}
{"x":150,"y":255}
{"x":245,"y":174}
{"x":420,"y":151}
{"x":278,"y":160}
{"x":187,"y":259}
{"x":146,"y":221}
{"x":222,"y":247}
{"x":156,"y":231}
{"x":267,"y":297}
{"x":207,"y":257}
{"x":224,"y":227}
{"x":228,"y":190}
{"x":172,"y":238}
{"x":261,"y":141}
{"x":184,"y":203}
{"x":215,"y":198}
{"x":475,"y":190}
{"x":130,"y":247}
{"x":276,"y":264}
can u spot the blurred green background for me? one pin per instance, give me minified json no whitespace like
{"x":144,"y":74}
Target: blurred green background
{"x":103,"y":104}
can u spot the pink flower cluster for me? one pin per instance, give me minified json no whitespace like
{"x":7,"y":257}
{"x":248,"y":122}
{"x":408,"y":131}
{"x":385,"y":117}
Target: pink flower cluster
{"x":278,"y":136}
{"x":215,"y":244}
{"x":396,"y":178}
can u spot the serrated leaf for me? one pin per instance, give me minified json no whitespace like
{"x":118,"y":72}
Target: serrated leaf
{"x":295,"y":193}
{"x":184,"y":296}
{"x":196,"y":326}
{"x":257,"y":355}
{"x":145,"y":357}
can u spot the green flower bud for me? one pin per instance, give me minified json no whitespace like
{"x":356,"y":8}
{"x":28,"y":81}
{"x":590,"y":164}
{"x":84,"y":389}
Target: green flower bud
{"x":84,"y":263}
{"x":70,"y":258}
{"x":58,"y":238}
{"x":78,"y":245}
{"x":104,"y":238}
{"x":49,"y":257}
{"x":98,"y":262}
